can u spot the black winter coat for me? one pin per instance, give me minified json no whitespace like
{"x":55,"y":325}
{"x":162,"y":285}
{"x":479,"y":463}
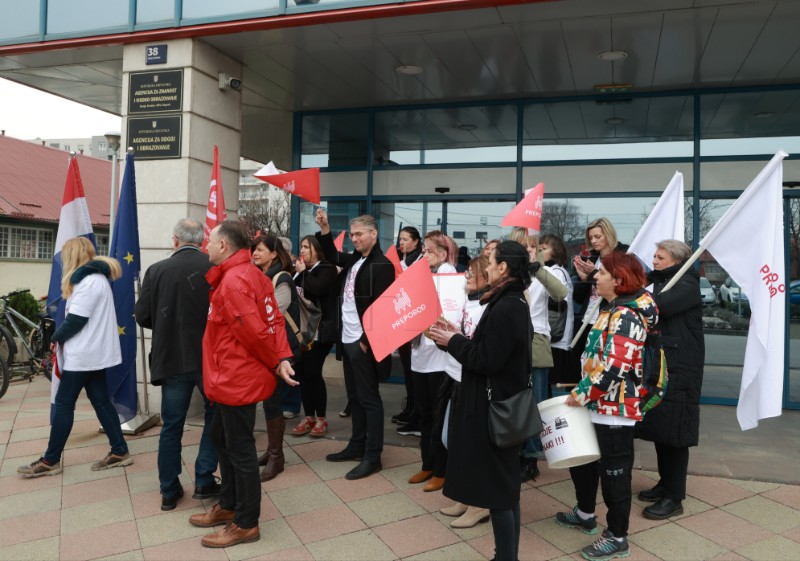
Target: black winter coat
{"x":676,"y":421}
{"x":319,"y":285}
{"x":174,"y":304}
{"x":479,"y":473}
{"x":582,"y":290}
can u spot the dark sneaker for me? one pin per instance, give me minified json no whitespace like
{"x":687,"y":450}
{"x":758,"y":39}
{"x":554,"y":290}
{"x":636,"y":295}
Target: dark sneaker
{"x":404,"y":408}
{"x":169,"y":502}
{"x":411,"y":429}
{"x":663,"y":508}
{"x":607,"y":547}
{"x":572,"y":520}
{"x":207,"y":491}
{"x":113,"y":460}
{"x":39,"y":468}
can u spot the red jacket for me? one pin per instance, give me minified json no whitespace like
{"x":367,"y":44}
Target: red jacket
{"x":245,"y":338}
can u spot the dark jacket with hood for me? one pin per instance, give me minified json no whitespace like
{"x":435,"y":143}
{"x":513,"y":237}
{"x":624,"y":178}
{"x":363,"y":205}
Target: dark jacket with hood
{"x":582,"y":290}
{"x":318,"y":284}
{"x":676,"y":421}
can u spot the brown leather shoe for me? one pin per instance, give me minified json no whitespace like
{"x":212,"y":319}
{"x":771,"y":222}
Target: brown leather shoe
{"x":214,"y":517}
{"x":420,"y":477}
{"x":434,"y":484}
{"x":231,"y":534}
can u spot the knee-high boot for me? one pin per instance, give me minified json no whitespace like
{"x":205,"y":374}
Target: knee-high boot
{"x":275,"y":429}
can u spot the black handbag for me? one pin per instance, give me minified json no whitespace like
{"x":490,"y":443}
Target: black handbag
{"x":514,"y":420}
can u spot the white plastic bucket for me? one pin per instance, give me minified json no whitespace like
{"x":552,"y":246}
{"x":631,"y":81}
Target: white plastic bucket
{"x":568,"y":436}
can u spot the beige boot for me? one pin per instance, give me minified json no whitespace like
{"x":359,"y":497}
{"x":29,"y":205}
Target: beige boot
{"x":456,"y":509}
{"x":473,"y":516}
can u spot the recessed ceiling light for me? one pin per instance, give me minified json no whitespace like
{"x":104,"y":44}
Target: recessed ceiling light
{"x":615,"y":121}
{"x":466,"y":127}
{"x":409,"y":69}
{"x":764,"y":115}
{"x":610,"y":56}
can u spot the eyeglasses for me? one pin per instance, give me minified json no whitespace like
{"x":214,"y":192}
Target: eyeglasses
{"x":469,"y":274}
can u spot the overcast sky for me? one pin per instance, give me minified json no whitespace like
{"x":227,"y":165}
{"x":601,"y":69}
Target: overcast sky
{"x":28,"y":113}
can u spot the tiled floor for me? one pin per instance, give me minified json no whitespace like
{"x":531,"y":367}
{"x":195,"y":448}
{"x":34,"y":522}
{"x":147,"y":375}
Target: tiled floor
{"x":310,"y":512}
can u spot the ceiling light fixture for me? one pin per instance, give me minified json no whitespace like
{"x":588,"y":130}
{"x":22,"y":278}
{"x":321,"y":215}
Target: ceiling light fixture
{"x":615,"y":121}
{"x":409,"y":69}
{"x":466,"y":127}
{"x":611,"y":56}
{"x":764,"y":115}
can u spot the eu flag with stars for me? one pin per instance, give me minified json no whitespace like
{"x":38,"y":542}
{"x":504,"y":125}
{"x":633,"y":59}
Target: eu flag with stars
{"x":125,"y":249}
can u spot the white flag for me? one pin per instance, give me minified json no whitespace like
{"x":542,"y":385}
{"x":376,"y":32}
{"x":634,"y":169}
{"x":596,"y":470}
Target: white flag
{"x":664,"y":223}
{"x":748,"y":242}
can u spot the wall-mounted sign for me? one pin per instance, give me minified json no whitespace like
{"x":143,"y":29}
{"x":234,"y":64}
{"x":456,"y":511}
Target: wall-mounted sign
{"x":155,"y":92}
{"x":155,"y":54}
{"x":155,"y":138}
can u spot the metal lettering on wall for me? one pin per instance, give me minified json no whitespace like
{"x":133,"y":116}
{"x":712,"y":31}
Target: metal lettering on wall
{"x":155,"y":138}
{"x":155,"y":92}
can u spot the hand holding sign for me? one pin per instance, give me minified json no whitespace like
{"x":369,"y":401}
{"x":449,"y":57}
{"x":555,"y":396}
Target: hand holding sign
{"x":528,"y":212}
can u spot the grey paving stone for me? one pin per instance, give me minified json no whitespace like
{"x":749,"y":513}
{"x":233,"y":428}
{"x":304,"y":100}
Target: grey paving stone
{"x":22,"y":504}
{"x":276,"y":535}
{"x":765,"y":512}
{"x":95,"y":515}
{"x":303,"y":498}
{"x":169,"y":527}
{"x":776,"y":548}
{"x":31,"y":551}
{"x":358,"y":546}
{"x":383,"y":509}
{"x":671,"y":542}
{"x":460,"y":551}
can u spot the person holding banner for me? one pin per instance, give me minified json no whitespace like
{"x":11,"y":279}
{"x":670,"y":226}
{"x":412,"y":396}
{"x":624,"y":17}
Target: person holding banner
{"x":610,"y":389}
{"x":269,"y":255}
{"x":89,"y":344}
{"x":410,"y":252}
{"x":431,"y":383}
{"x":368,"y":273}
{"x":316,"y":281}
{"x":478,"y":472}
{"x":674,"y":425}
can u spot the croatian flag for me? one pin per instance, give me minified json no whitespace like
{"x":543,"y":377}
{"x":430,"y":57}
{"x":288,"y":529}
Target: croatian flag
{"x":74,"y":222}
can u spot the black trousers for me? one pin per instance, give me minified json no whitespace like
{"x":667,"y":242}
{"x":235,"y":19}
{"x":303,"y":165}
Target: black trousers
{"x":313,"y":390}
{"x":273,"y":407}
{"x":613,"y":472}
{"x":405,"y":360}
{"x":431,"y":393}
{"x":506,"y":529}
{"x":673,"y":464}
{"x":361,"y":379}
{"x":232,"y":436}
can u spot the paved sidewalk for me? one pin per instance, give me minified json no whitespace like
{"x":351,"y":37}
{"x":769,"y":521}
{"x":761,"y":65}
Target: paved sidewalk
{"x":311,"y":512}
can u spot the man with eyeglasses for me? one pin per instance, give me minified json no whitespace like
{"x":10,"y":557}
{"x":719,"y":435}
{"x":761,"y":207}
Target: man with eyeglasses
{"x":368,"y":273}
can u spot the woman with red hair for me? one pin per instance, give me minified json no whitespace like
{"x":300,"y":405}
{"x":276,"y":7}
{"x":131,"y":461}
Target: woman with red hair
{"x":610,"y":388}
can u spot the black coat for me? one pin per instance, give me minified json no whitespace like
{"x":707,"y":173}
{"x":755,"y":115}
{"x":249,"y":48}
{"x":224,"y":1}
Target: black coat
{"x":372,"y":279}
{"x":676,"y":421}
{"x":174,"y":304}
{"x":479,"y":473}
{"x":319,"y":285}
{"x":582,"y":290}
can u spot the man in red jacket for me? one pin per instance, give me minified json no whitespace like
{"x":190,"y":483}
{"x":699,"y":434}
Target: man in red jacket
{"x":244,"y":349}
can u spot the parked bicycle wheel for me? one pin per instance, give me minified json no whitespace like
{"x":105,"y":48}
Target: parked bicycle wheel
{"x":5,"y":378}
{"x":7,"y":346}
{"x":40,"y":344}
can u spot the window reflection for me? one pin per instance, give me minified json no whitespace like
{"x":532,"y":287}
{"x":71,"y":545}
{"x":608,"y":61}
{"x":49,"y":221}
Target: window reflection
{"x":25,"y":21}
{"x":210,"y":8}
{"x":75,"y":16}
{"x":148,"y":11}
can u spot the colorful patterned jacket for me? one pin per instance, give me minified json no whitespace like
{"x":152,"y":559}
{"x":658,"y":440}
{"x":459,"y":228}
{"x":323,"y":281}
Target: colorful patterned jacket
{"x":612,"y":360}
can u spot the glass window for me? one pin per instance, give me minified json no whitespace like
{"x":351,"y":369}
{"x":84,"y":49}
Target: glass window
{"x":452,"y":135}
{"x":76,"y":16}
{"x":599,"y":178}
{"x":792,"y":220}
{"x":102,"y":244}
{"x":339,"y":215}
{"x":479,"y":221}
{"x":752,"y":123}
{"x":335,"y":141}
{"x":393,"y":216}
{"x":658,"y":127}
{"x":26,"y":243}
{"x":148,"y":11}
{"x":25,"y":21}
{"x":212,"y":8}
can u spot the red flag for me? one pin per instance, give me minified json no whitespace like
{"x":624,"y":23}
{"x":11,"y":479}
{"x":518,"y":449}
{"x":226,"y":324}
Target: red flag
{"x":406,"y":309}
{"x":392,"y":255}
{"x":338,"y":243}
{"x":528,"y":212}
{"x":215,"y":211}
{"x":304,"y":183}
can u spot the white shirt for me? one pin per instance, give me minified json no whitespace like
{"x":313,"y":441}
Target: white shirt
{"x":351,"y":323}
{"x":561,"y":274}
{"x":96,"y":346}
{"x":473,"y":310}
{"x":427,"y":357}
{"x":538,"y":303}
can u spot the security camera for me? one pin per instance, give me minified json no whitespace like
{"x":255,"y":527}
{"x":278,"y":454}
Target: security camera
{"x":442,"y":189}
{"x":229,"y":82}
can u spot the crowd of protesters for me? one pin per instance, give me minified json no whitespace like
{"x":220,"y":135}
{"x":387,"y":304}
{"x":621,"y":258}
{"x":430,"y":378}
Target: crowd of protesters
{"x":226,"y":323}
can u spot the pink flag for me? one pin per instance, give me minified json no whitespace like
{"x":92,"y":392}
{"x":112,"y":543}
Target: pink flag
{"x":215,"y":211}
{"x":304,"y":182}
{"x":339,"y":241}
{"x":392,"y":255}
{"x":406,"y":309}
{"x":528,"y":212}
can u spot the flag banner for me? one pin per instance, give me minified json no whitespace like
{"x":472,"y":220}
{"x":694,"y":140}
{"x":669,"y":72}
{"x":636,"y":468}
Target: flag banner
{"x":74,"y":221}
{"x":452,"y":291}
{"x":748,"y":243}
{"x":391,"y":255}
{"x":665,"y":222}
{"x":407,"y":308}
{"x":304,"y":182}
{"x":528,"y":212}
{"x":215,"y":210}
{"x":124,"y":248}
{"x":338,"y":243}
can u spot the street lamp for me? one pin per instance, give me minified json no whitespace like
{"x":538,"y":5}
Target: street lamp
{"x":113,"y":138}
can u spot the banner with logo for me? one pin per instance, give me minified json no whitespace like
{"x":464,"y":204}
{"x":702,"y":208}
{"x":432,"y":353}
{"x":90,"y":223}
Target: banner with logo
{"x":407,"y":308}
{"x":528,"y":212}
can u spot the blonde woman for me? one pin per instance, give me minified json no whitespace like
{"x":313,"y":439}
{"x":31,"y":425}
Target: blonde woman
{"x":90,"y":342}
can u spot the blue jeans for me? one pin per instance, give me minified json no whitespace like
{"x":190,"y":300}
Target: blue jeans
{"x":291,"y":399}
{"x":72,"y":382}
{"x":541,"y":389}
{"x":176,"y":394}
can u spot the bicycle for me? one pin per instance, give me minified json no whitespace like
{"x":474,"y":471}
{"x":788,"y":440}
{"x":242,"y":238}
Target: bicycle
{"x":24,"y":356}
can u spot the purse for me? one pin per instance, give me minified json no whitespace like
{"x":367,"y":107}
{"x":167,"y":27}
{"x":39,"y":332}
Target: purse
{"x":514,"y":420}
